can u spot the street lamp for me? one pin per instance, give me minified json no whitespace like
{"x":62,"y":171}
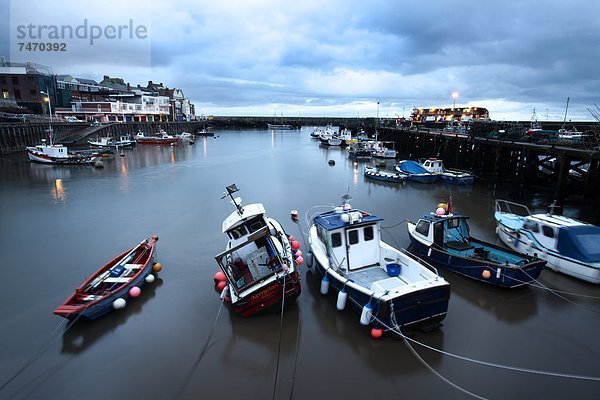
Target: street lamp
{"x":47,"y":99}
{"x":454,"y":97}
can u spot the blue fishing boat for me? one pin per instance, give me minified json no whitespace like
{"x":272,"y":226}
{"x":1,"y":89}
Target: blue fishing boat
{"x":388,"y":287}
{"x":443,"y":239}
{"x":383,"y":175}
{"x":415,"y":172}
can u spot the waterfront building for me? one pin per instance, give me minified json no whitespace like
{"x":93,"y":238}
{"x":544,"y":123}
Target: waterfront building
{"x":21,"y":84}
{"x":451,"y":114}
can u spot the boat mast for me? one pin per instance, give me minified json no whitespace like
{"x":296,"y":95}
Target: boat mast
{"x":231,"y":189}
{"x":565,"y":118}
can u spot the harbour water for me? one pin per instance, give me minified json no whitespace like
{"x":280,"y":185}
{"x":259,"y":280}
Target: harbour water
{"x":58,"y":224}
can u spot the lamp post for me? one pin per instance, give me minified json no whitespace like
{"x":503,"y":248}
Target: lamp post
{"x":47,"y":98}
{"x":454,"y":97}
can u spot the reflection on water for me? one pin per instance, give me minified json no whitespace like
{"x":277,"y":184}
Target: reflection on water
{"x":59,"y":193}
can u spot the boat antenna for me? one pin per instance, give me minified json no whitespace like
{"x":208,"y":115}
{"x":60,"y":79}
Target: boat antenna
{"x":231,"y":189}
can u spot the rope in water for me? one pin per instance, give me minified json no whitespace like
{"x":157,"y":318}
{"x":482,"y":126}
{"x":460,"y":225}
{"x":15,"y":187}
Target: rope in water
{"x":280,"y":334}
{"x":41,"y":350}
{"x":202,"y":353}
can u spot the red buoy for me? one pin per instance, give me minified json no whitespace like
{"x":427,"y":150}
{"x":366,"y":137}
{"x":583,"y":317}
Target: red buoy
{"x":295,"y":245}
{"x":299,"y":260}
{"x":221,"y":285}
{"x":219,"y":277}
{"x":376,"y":332}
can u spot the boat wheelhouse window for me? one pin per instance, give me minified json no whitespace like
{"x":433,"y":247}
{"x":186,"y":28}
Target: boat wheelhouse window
{"x":255,"y":224}
{"x":238,"y":232}
{"x":369,"y":233}
{"x":353,"y":236}
{"x":336,"y":239}
{"x":548,"y":231}
{"x":452,"y":223}
{"x":423,"y":227}
{"x":532,"y":226}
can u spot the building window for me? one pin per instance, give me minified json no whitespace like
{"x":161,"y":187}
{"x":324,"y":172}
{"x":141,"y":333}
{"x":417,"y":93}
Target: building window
{"x":5,"y":94}
{"x":15,"y":80}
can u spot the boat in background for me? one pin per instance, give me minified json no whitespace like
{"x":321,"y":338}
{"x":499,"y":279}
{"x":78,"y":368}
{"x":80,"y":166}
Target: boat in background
{"x":279,"y":126}
{"x":59,"y":154}
{"x":359,"y":151}
{"x":443,"y":238}
{"x":453,"y":176}
{"x":259,"y":264}
{"x":390,"y":288}
{"x":383,"y":175}
{"x":109,"y":142}
{"x":382,"y":149}
{"x":569,"y":246}
{"x":161,"y":138}
{"x":114,"y":284}
{"x":205,"y":132}
{"x":415,"y":172}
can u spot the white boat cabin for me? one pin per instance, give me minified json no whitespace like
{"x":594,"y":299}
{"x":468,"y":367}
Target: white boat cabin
{"x":351,"y":238}
{"x":53,"y":150}
{"x":545,"y":228}
{"x":433,"y":165}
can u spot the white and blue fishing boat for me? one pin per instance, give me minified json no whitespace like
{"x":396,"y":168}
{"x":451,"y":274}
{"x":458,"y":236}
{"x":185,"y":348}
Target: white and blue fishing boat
{"x":443,"y":238}
{"x":359,"y":151}
{"x":383,"y":175}
{"x":568,"y":245}
{"x":454,"y":176}
{"x":390,"y":288}
{"x":415,"y":172}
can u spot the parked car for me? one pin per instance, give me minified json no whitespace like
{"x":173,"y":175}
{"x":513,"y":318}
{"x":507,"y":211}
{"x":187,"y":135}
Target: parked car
{"x":73,"y":119}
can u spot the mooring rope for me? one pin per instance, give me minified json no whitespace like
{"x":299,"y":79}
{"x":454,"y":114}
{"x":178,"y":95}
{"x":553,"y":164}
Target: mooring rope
{"x":202,"y":352}
{"x":280,"y":335}
{"x":41,"y":350}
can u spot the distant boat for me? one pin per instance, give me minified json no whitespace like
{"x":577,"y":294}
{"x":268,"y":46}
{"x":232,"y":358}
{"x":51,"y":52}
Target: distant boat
{"x":161,"y":138}
{"x":380,"y":282}
{"x":415,"y":172}
{"x":359,"y":151}
{"x":205,"y":132}
{"x":59,"y":154}
{"x":443,"y":238}
{"x":453,"y":176}
{"x":568,"y":245}
{"x":279,"y":126}
{"x":382,"y":149}
{"x":259,"y":265}
{"x":111,"y":286}
{"x":383,"y":175}
{"x":109,"y":142}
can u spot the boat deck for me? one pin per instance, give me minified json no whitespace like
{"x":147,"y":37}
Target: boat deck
{"x":367,"y":277}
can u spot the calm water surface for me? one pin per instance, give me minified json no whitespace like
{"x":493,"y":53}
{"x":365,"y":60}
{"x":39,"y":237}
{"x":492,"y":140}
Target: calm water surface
{"x":59,"y":224}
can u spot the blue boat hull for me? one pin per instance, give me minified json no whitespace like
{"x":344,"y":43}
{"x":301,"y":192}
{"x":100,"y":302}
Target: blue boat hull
{"x":106,"y":305}
{"x":458,"y":180}
{"x":498,"y":274}
{"x":422,"y":178}
{"x":420,"y":309}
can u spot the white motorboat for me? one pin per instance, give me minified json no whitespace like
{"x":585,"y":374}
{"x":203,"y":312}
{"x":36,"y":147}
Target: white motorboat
{"x":568,"y":245}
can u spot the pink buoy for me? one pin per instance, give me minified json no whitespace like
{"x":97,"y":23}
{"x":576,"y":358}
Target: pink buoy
{"x":440,"y":211}
{"x":219,"y":277}
{"x":376,"y":332}
{"x":295,"y":245}
{"x":298,"y":253}
{"x":135,"y":291}
{"x":299,"y":260}
{"x":291,"y":238}
{"x":221,"y":285}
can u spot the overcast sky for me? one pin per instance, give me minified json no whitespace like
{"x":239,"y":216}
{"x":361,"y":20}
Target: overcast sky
{"x":307,"y":57}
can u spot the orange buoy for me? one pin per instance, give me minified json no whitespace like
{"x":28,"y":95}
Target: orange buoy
{"x":486,"y":274}
{"x":376,"y":332}
{"x":219,"y":277}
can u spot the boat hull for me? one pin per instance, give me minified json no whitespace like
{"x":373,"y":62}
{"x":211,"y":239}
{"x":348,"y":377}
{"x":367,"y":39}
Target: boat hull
{"x":384,"y":176}
{"x":156,"y":141}
{"x":269,"y":297}
{"x":473,"y":268}
{"x":457,"y":179}
{"x":424,"y":308}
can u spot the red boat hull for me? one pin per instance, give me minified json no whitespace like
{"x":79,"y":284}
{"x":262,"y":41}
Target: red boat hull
{"x":268,"y":297}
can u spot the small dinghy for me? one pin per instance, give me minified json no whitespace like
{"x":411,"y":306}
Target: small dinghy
{"x":114,"y":284}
